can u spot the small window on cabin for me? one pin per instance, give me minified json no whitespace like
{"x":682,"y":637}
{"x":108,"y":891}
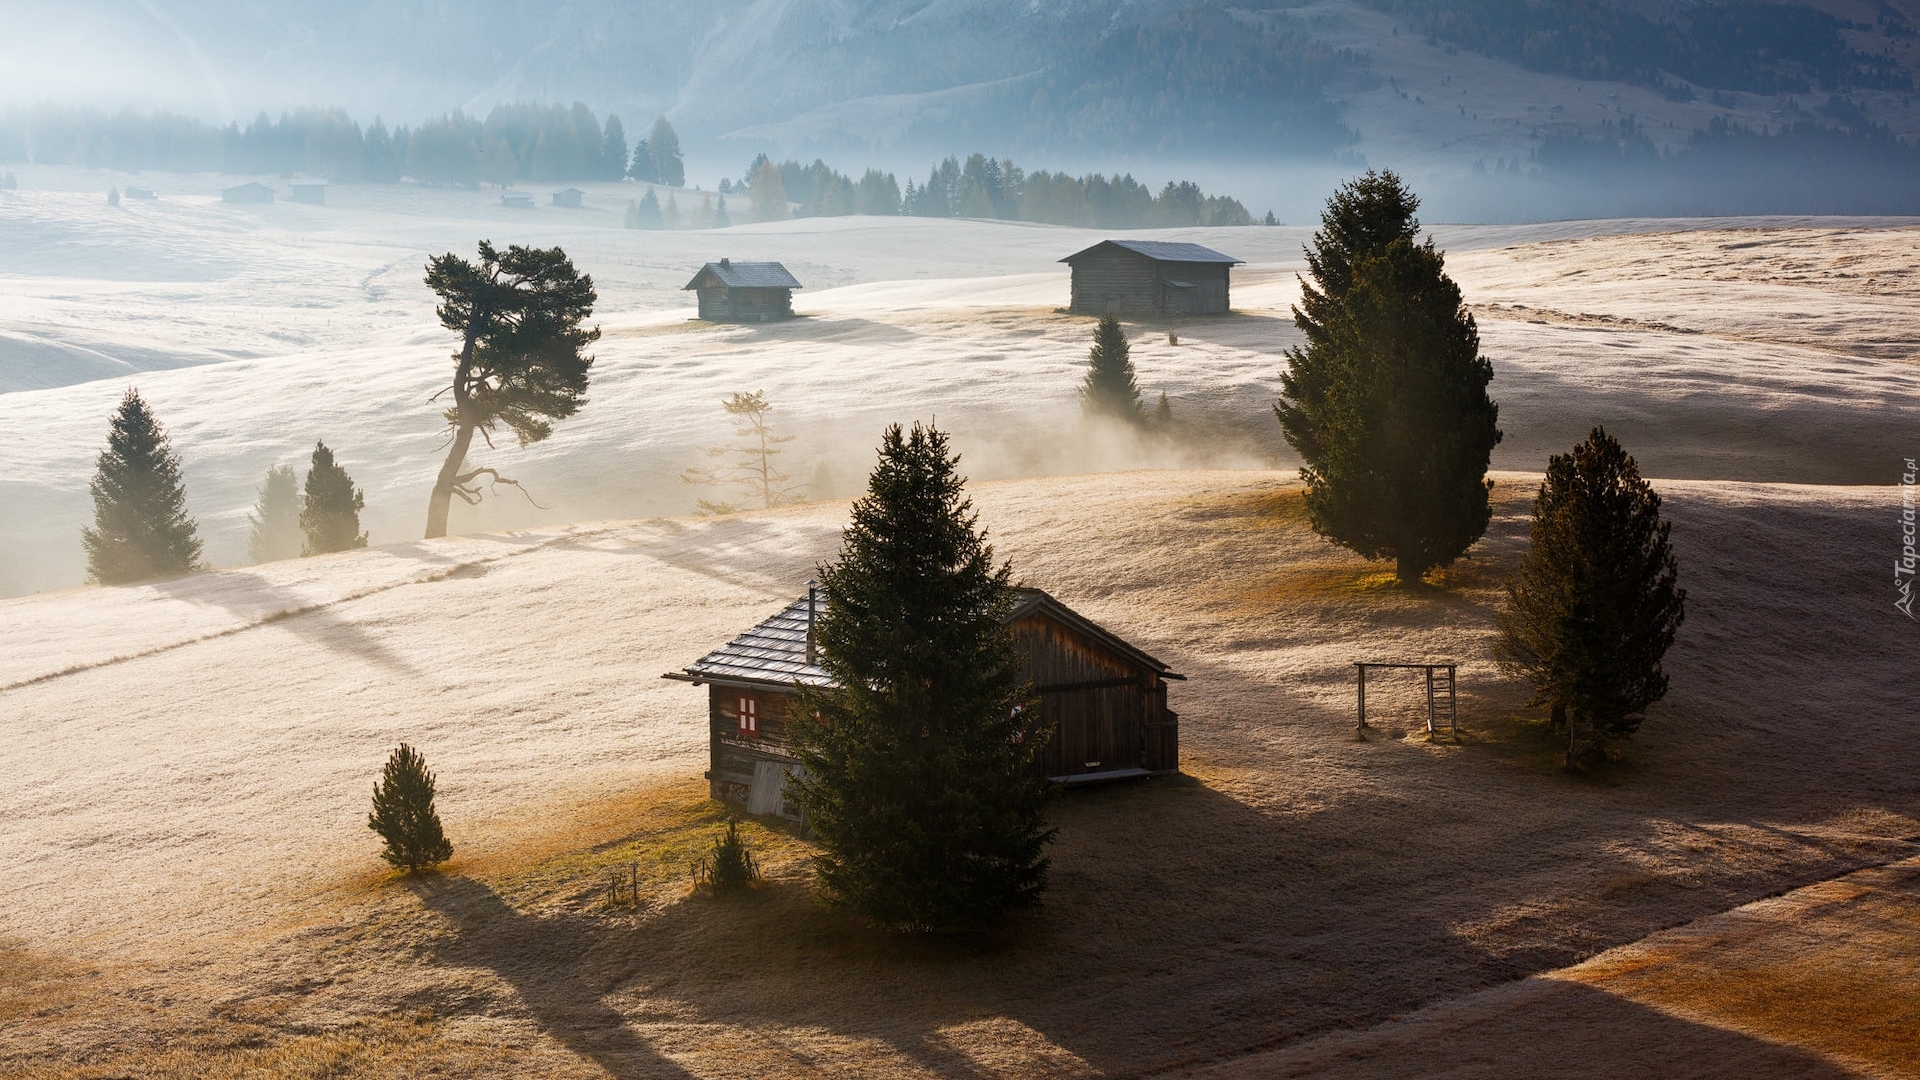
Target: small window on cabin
{"x":749,"y":718}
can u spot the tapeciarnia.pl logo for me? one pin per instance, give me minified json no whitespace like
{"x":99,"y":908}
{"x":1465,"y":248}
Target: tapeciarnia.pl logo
{"x":1904,"y":565}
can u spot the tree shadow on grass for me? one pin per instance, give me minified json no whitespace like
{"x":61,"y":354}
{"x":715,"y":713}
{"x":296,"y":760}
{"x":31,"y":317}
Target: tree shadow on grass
{"x":557,"y":967}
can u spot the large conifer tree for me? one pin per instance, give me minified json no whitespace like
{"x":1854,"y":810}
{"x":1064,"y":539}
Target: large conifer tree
{"x":1595,"y":604}
{"x":275,"y":520}
{"x":1387,"y":404}
{"x":330,"y":510}
{"x":140,"y":523}
{"x":919,"y":768}
{"x":1109,"y":389}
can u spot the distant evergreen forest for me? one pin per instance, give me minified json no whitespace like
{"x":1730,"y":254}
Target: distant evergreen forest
{"x":1743,"y":45}
{"x":1803,"y":167}
{"x":985,"y":187}
{"x":515,"y":142}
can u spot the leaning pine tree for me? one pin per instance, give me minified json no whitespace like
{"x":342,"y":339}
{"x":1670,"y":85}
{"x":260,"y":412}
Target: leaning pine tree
{"x":1109,"y":389}
{"x":1387,"y":404}
{"x":140,"y":523}
{"x":403,"y":813}
{"x":918,"y":765}
{"x":1595,"y":604}
{"x":330,"y":512}
{"x":521,"y":361}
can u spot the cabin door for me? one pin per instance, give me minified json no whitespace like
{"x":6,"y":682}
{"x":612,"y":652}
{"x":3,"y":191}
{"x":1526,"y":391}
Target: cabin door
{"x":1097,"y":730}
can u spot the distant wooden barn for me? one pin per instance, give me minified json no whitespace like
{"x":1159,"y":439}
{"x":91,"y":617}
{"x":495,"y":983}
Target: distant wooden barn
{"x":569,"y":198}
{"x":312,"y":192}
{"x":1150,"y":277}
{"x":141,"y":193}
{"x":518,"y":200}
{"x":742,"y":292}
{"x":1105,"y":700}
{"x":250,"y":192}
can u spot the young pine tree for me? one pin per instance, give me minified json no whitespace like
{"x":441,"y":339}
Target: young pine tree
{"x":330,"y":512}
{"x":1387,"y":405}
{"x":749,"y":464}
{"x":276,"y":517}
{"x":1109,"y":389}
{"x":140,"y":523}
{"x":919,"y":763}
{"x":403,"y":813}
{"x":1595,"y":603}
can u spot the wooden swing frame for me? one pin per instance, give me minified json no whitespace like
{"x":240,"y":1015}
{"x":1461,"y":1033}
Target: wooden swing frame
{"x":1448,"y":682}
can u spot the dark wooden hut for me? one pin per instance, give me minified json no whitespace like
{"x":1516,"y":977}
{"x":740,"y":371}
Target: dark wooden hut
{"x":742,"y":292}
{"x":568,"y":197}
{"x":313,"y":192}
{"x":1150,"y":277}
{"x":1105,"y":700}
{"x":518,"y":200}
{"x":250,"y":192}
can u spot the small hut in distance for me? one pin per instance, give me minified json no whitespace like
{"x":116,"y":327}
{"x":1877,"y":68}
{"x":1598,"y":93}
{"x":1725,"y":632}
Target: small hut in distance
{"x":568,"y":197}
{"x":251,"y":192}
{"x":743,"y":292}
{"x":1150,"y":277}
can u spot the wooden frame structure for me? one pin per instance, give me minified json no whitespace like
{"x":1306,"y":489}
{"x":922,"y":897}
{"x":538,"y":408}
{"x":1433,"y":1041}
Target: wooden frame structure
{"x":1437,"y":684}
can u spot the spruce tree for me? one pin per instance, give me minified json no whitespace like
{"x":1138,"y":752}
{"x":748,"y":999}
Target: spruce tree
{"x":663,"y":146}
{"x":1595,"y":603}
{"x":1109,"y":389}
{"x":403,"y":813}
{"x":140,"y":523}
{"x":647,"y":213}
{"x":275,"y":520}
{"x":918,"y":767}
{"x":330,"y":512}
{"x":1387,"y":405}
{"x":1163,"y":414}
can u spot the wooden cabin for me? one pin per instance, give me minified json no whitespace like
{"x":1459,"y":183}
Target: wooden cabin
{"x":518,"y":200}
{"x":312,"y":192}
{"x":250,"y":192}
{"x":1150,"y":277}
{"x":744,"y":292}
{"x":1105,"y":700}
{"x":569,"y":198}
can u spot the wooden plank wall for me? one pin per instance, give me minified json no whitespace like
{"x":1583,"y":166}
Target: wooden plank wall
{"x":1116,"y":281}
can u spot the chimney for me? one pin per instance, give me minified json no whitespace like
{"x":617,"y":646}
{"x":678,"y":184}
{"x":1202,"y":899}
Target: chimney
{"x":726,"y":263}
{"x":811,"y":591}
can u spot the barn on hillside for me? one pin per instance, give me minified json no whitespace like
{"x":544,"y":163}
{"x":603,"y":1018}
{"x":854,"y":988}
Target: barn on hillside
{"x":313,"y":192}
{"x":568,"y":197}
{"x":517,"y":200}
{"x":1150,"y":277}
{"x":742,"y":292}
{"x":250,"y":192}
{"x":1105,"y":699}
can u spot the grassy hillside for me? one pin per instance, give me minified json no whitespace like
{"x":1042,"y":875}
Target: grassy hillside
{"x":189,"y":886}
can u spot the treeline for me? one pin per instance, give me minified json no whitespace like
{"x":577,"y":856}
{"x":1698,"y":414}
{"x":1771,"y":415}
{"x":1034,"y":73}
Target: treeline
{"x":1764,"y":48}
{"x":985,"y":187}
{"x":515,"y":142}
{"x":1728,"y":168}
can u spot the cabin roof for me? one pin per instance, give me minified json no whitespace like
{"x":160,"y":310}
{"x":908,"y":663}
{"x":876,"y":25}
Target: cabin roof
{"x":1161,"y":251}
{"x":746,"y":275}
{"x":775,"y":652}
{"x":251,"y":185}
{"x":570,"y":191}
